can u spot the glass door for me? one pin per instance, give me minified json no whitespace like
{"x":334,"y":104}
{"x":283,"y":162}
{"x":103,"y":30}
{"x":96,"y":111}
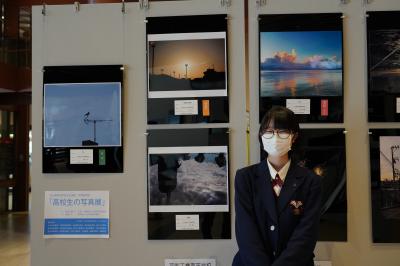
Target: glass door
{"x":7,"y":158}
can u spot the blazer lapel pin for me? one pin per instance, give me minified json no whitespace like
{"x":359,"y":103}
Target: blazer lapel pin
{"x":297,"y":206}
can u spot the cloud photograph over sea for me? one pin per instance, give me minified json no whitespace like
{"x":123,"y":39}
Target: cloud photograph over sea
{"x":303,"y":63}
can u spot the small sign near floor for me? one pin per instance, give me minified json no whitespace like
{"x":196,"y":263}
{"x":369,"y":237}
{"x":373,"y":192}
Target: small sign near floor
{"x":76,"y":214}
{"x":190,"y":262}
{"x":322,"y":263}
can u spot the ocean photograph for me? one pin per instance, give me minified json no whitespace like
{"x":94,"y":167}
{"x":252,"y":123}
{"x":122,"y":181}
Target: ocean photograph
{"x":301,"y":64}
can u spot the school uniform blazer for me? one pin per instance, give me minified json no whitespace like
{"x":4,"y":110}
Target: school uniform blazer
{"x":276,"y":232}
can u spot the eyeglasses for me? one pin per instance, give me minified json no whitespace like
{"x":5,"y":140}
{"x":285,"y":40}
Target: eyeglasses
{"x":281,"y":133}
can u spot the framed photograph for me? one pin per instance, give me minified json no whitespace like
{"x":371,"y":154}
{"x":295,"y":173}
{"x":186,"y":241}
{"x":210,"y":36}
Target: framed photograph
{"x":82,"y":119}
{"x":188,"y":179}
{"x":82,"y":114}
{"x":323,"y":152}
{"x":301,"y":65}
{"x":188,"y":184}
{"x":187,"y":65}
{"x":187,"y":69}
{"x":385,"y":185}
{"x":383,"y":31}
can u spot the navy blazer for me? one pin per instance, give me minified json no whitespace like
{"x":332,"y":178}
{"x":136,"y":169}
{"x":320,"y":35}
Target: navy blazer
{"x":274,"y":231}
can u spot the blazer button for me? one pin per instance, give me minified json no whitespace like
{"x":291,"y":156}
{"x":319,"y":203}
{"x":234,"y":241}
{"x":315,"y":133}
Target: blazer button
{"x":272,"y":228}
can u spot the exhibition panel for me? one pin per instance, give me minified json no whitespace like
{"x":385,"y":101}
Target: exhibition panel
{"x":383,"y":36}
{"x":301,"y":65}
{"x":385,"y":184}
{"x":168,"y":119}
{"x":188,"y":184}
{"x":187,"y":69}
{"x":82,"y":119}
{"x":323,"y":151}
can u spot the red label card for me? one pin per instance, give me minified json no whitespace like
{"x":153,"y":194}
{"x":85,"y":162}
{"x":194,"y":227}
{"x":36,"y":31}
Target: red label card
{"x":324,"y":107}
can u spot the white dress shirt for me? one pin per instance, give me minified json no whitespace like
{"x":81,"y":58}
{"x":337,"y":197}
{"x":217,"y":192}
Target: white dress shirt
{"x":282,"y":173}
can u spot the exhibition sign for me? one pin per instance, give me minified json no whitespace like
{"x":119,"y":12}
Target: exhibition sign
{"x":76,"y":214}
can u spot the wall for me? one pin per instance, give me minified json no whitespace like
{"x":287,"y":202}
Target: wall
{"x":359,"y":249}
{"x":100,"y":34}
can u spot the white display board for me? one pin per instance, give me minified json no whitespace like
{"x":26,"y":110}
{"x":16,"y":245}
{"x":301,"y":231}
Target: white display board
{"x":101,"y":34}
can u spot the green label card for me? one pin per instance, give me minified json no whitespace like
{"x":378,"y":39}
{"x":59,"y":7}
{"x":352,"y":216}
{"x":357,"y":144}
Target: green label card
{"x":102,"y":157}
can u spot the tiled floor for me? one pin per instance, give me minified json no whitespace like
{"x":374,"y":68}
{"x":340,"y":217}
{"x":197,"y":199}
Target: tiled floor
{"x":14,"y":239}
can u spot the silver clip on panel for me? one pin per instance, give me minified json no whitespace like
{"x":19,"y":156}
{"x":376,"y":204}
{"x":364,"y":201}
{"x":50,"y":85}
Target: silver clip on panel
{"x":77,"y":6}
{"x":226,"y":3}
{"x":144,"y":4}
{"x":367,"y":2}
{"x":123,"y":8}
{"x":44,"y":9}
{"x":261,"y":3}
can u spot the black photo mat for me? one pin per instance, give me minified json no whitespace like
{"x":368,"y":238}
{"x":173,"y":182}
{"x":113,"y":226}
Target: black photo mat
{"x":82,"y":119}
{"x":323,"y":152}
{"x":383,"y":37}
{"x":385,"y":185}
{"x":184,"y":181}
{"x":301,"y":58}
{"x":187,"y":61}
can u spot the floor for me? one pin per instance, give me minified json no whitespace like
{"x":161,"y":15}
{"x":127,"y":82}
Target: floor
{"x":14,"y":239}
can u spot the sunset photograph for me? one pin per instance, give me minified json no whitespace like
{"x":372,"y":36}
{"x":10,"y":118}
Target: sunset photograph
{"x":187,"y":65}
{"x":303,"y":63}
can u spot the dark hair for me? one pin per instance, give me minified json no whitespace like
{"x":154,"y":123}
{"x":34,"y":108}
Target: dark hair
{"x":283,"y":118}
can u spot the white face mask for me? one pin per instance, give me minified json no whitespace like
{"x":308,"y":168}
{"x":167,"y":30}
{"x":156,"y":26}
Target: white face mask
{"x":276,"y":146}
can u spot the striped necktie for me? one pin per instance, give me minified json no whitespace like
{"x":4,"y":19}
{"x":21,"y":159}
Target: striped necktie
{"x":277,"y":184}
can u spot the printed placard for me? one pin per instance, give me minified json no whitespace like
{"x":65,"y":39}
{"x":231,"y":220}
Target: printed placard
{"x":186,"y":107}
{"x":299,"y":106}
{"x":76,"y":214}
{"x":81,"y":156}
{"x":194,"y":262}
{"x":187,"y":222}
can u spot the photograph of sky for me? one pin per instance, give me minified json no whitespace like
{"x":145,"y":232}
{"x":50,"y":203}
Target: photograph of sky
{"x":80,"y":114}
{"x":389,"y":147}
{"x":302,"y":63}
{"x":187,"y":63}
